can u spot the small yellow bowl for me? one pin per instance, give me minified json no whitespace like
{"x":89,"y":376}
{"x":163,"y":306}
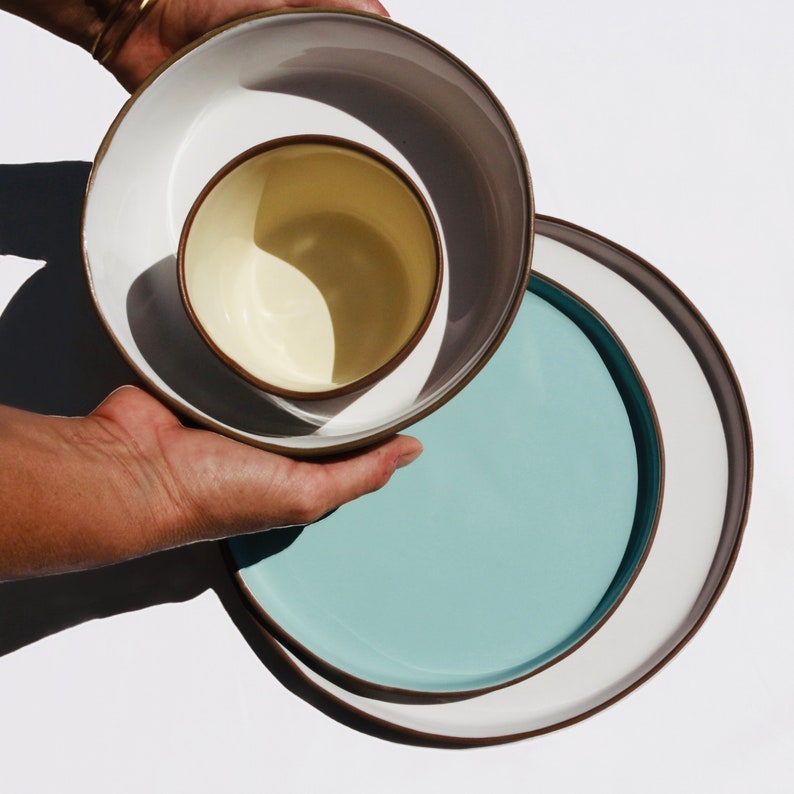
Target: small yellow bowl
{"x":311,"y":265}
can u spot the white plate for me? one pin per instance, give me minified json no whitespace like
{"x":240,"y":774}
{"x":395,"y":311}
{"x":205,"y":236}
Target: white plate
{"x":708,"y":457}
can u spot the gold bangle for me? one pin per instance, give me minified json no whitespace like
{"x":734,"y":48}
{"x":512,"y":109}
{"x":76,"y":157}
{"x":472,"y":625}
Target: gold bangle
{"x":110,"y":20}
{"x":103,"y":54}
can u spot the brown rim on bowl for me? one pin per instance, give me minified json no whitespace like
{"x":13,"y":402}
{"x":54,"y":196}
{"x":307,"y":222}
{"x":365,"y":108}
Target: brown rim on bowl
{"x":394,"y":361}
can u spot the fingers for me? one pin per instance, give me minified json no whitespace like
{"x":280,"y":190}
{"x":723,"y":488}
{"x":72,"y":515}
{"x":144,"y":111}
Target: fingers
{"x":370,"y":470}
{"x":372,"y":6}
{"x":316,"y":488}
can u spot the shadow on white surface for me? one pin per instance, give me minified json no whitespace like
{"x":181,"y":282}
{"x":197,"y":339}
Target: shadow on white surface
{"x":54,"y":354}
{"x":56,"y":358}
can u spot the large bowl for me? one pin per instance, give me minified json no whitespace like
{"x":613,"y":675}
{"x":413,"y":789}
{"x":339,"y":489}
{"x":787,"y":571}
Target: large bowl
{"x":353,"y":75}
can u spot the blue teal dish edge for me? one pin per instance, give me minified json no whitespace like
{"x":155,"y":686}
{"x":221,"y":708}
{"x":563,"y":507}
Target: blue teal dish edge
{"x":650,"y":457}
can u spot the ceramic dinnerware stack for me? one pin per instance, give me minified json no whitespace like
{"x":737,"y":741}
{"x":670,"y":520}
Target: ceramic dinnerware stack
{"x":525,"y":574}
{"x":579,"y":505}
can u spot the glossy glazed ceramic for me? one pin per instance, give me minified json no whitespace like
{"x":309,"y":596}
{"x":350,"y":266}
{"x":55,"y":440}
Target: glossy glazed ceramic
{"x":708,"y":470}
{"x":313,"y":72}
{"x":503,"y":547}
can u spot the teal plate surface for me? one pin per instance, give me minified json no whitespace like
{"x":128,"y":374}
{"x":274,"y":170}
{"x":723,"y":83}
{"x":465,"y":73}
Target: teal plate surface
{"x":503,"y":547}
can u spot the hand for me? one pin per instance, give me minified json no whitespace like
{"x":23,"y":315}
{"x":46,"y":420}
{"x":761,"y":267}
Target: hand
{"x":173,"y":24}
{"x":129,"y":479}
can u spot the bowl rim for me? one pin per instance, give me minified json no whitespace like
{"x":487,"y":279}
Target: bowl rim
{"x":388,"y":366}
{"x":393,"y":427}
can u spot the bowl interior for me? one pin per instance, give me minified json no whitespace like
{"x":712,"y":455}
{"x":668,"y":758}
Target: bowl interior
{"x":311,"y":265}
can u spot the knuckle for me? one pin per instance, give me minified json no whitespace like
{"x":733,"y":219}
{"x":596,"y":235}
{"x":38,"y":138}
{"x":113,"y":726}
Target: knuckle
{"x":309,"y":504}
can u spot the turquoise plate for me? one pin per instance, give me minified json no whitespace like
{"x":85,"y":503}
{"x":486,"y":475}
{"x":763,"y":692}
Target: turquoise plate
{"x":503,"y":547}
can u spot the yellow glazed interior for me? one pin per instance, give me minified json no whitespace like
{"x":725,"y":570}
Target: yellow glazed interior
{"x":310,"y":265}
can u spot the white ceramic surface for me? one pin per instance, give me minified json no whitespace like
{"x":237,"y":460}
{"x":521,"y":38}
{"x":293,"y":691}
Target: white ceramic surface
{"x":267,"y":77}
{"x":695,"y":543}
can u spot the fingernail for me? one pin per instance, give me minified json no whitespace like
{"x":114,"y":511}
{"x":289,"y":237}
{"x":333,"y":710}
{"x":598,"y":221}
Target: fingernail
{"x":409,"y":457}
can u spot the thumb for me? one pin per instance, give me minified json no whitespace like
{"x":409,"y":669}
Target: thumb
{"x":315,"y":488}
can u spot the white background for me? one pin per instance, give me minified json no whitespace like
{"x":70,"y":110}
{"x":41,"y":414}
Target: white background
{"x":666,"y":127}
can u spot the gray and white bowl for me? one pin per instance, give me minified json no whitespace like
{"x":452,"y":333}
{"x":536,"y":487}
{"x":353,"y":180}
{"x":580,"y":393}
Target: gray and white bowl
{"x":349,"y":74}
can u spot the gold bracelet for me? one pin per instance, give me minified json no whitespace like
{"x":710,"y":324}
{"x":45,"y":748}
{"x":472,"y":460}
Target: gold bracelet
{"x":106,"y":25}
{"x":104,"y":53}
